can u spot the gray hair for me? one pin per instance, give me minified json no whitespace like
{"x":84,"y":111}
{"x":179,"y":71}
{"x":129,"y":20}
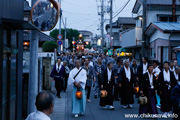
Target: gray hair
{"x":65,"y":61}
{"x":126,"y":60}
{"x":44,"y":100}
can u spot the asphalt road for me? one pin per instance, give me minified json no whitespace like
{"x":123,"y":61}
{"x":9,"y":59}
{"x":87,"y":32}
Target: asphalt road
{"x":95,"y":112}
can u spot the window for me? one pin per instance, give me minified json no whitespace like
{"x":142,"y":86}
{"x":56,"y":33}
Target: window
{"x":152,"y":52}
{"x":167,"y":19}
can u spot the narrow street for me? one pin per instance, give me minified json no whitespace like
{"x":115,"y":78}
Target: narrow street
{"x":62,"y":111}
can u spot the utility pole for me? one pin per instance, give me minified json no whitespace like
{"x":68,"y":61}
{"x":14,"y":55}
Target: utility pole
{"x":174,"y":10}
{"x":174,"y":20}
{"x":59,"y":48}
{"x":102,"y":23}
{"x":65,"y":31}
{"x":111,"y":11}
{"x":33,"y":69}
{"x":143,"y":49}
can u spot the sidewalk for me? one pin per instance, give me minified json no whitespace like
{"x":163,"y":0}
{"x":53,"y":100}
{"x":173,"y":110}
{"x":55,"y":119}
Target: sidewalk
{"x":60,"y":108}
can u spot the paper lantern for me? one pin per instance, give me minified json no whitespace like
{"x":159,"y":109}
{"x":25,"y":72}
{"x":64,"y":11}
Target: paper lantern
{"x":136,"y":89}
{"x":79,"y":94}
{"x":103,"y":93}
{"x":143,"y":100}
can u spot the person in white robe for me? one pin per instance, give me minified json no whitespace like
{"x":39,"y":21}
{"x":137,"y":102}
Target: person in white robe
{"x":78,"y":83}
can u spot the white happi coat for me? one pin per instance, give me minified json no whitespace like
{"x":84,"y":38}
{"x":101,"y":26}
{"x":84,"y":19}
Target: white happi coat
{"x":81,"y":77}
{"x":38,"y":115}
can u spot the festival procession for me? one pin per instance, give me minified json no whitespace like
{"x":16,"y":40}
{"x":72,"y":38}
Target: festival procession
{"x":89,"y":59}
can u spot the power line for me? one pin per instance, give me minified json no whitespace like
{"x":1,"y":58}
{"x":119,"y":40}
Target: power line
{"x":121,"y":9}
{"x":81,"y":17}
{"x":79,"y":13}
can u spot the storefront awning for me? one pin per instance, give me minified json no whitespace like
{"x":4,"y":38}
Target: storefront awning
{"x":125,"y":50}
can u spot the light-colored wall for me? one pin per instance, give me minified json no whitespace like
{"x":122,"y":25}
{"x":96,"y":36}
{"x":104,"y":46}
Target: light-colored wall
{"x":157,"y":34}
{"x":129,"y":38}
{"x":152,"y":14}
{"x":165,"y":36}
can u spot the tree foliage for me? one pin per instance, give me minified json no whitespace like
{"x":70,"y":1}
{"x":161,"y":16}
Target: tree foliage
{"x":69,"y":34}
{"x":49,"y":46}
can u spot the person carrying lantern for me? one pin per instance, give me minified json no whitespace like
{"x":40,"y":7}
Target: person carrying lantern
{"x":77,"y":78}
{"x":107,"y":84}
{"x":148,"y":87}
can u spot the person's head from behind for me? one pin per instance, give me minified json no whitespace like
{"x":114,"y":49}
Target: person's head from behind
{"x":45,"y":102}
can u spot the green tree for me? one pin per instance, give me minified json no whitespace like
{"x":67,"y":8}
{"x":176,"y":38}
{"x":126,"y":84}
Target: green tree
{"x":69,"y":35}
{"x":49,"y":46}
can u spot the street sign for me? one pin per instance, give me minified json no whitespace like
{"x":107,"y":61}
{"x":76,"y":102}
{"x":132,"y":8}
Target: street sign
{"x":59,"y":42}
{"x":108,"y":41}
{"x":59,"y":37}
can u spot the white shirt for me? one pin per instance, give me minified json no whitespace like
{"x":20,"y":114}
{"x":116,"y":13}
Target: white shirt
{"x":156,"y":71}
{"x":176,"y":76}
{"x":58,"y":68}
{"x":38,"y":115}
{"x":151,"y":80}
{"x":109,"y":74}
{"x":166,"y":76}
{"x":128,"y":73}
{"x":172,"y":70}
{"x":81,"y":77}
{"x":91,"y":63}
{"x":145,"y":68}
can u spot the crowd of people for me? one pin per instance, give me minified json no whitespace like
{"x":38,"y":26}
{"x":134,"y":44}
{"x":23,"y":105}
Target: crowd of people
{"x":159,"y":83}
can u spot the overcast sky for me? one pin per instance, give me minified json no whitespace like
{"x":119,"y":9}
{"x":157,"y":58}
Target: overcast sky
{"x":83,"y":14}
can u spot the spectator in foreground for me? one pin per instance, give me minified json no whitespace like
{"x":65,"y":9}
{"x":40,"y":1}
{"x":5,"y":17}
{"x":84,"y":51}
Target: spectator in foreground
{"x":44,"y":104}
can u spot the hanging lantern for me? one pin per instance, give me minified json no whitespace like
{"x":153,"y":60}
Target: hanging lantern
{"x":79,"y":94}
{"x":103,"y":93}
{"x":143,"y":100}
{"x":136,"y":89}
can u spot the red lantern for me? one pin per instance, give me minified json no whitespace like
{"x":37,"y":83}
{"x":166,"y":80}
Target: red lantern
{"x":73,"y":42}
{"x":103,"y":93}
{"x":136,"y":89}
{"x":79,"y":94}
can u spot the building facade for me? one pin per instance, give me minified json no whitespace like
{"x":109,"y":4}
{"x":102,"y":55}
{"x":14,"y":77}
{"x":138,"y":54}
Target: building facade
{"x":156,"y":11}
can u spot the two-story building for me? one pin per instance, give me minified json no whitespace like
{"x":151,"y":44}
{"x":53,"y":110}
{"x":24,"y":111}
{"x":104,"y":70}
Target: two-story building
{"x":159,"y":42}
{"x":121,"y":25}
